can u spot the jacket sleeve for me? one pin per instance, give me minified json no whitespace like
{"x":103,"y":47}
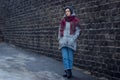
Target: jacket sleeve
{"x":77,"y":32}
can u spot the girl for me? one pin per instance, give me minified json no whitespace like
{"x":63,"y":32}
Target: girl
{"x":68,"y":34}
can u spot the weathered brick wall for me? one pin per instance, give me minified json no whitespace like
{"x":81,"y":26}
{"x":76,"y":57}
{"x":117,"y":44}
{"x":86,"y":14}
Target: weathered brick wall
{"x":1,"y":35}
{"x":33,"y":24}
{"x":2,"y":18}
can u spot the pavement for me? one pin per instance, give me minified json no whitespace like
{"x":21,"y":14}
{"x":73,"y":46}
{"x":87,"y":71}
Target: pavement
{"x":19,"y":64}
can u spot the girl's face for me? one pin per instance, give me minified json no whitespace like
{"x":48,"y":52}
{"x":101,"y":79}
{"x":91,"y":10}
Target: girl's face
{"x":67,"y":12}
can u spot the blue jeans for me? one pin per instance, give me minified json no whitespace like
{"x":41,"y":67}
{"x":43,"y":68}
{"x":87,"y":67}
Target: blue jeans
{"x":67,"y":54}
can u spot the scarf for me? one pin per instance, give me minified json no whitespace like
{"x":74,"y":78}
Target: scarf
{"x":73,"y":23}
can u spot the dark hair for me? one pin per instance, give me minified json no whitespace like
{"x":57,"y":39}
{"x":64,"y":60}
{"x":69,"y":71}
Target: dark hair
{"x":70,"y":8}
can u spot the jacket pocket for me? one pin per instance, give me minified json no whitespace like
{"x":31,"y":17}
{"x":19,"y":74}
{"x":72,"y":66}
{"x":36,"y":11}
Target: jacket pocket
{"x":71,"y":41}
{"x":63,"y":41}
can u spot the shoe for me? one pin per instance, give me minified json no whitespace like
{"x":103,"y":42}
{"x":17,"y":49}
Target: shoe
{"x":69,"y":73}
{"x":65,"y":75}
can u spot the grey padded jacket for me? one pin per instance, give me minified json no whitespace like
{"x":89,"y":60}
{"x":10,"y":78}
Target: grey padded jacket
{"x":68,"y":40}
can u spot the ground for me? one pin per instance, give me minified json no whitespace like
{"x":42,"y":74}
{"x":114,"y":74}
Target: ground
{"x":19,"y":64}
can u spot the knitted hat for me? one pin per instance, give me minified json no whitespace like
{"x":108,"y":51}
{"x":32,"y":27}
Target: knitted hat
{"x":70,"y":8}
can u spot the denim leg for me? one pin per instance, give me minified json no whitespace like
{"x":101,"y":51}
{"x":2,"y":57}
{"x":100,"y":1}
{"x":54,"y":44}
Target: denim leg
{"x":65,"y":57}
{"x":70,"y":57}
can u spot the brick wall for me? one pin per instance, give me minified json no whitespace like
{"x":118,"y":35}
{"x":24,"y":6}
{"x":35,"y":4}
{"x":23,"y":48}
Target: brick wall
{"x":3,"y":16}
{"x":33,"y":24}
{"x":1,"y":37}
